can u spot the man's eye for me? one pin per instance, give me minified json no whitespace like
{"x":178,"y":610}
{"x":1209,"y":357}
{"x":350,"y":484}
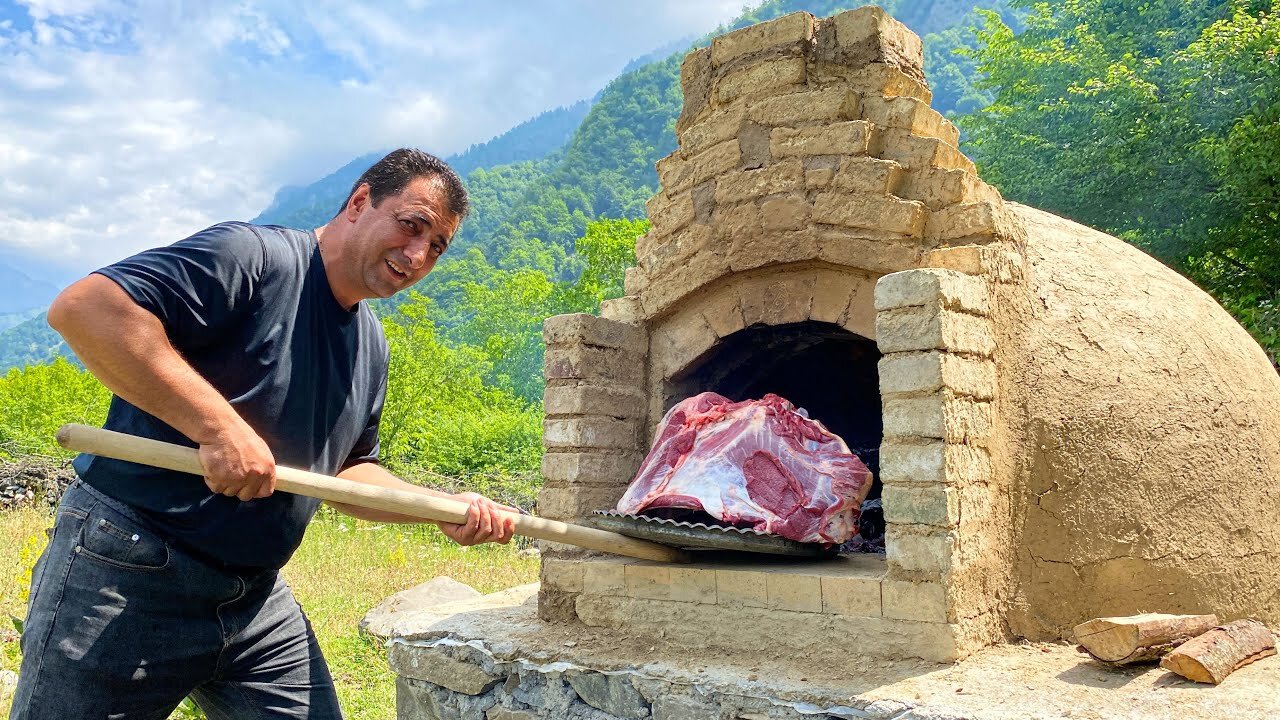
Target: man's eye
{"x":408,"y":225}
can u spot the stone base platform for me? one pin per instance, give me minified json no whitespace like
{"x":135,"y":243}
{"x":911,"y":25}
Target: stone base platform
{"x":491,"y":658}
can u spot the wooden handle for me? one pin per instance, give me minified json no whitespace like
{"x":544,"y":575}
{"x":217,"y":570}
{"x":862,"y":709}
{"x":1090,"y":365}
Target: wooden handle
{"x":108,"y":443}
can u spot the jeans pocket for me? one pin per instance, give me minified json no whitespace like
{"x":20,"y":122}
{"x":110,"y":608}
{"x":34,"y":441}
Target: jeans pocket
{"x":117,"y":541}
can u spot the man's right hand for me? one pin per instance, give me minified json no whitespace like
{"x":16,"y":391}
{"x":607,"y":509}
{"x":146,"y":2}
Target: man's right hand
{"x":237,"y":463}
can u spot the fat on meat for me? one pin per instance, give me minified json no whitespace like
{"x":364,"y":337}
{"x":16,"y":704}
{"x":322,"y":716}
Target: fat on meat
{"x":757,"y":463}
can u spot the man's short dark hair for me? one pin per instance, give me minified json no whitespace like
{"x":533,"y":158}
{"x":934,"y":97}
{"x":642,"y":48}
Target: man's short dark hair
{"x":393,"y":173}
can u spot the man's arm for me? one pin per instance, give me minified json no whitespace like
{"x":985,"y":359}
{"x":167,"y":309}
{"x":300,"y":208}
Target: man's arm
{"x":127,"y":349}
{"x":486,"y":521}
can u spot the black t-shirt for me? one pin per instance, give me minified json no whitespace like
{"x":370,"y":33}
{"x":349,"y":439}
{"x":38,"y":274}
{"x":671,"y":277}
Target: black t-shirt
{"x":251,"y":309}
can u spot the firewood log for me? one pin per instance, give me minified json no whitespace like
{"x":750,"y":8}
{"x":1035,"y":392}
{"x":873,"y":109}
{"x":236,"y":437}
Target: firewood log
{"x":1221,"y":651}
{"x":1124,"y":640}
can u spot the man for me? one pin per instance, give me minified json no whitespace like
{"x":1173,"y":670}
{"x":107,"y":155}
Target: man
{"x":253,"y":344}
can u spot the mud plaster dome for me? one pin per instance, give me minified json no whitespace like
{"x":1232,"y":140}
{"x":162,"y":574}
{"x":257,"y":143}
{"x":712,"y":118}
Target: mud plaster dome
{"x":1069,"y":429}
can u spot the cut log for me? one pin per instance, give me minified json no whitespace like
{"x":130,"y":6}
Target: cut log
{"x":1221,"y":651}
{"x":1124,"y":640}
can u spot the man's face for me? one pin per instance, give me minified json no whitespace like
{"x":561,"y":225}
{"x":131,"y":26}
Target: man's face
{"x":398,"y":242}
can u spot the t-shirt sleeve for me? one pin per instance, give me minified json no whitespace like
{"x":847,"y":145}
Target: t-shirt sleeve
{"x":367,"y":447}
{"x":198,"y":285}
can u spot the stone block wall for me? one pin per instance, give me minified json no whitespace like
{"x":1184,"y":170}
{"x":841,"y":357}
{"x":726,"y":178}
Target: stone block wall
{"x":812,"y":182}
{"x":938,"y":386}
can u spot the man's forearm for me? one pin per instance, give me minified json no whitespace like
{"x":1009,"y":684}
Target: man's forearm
{"x":127,"y":349}
{"x":374,"y":474}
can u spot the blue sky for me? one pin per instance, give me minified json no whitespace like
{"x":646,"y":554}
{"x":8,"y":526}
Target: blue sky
{"x":131,"y":123}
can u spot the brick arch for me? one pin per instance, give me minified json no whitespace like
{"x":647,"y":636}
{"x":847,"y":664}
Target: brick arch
{"x":837,"y":295}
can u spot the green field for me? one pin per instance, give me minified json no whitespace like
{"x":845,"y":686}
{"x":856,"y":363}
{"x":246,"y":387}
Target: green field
{"x":343,"y":569}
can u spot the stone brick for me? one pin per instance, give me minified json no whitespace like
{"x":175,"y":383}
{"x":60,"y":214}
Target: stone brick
{"x":882,"y":79}
{"x":868,"y":175}
{"x":941,"y":415}
{"x":634,"y":280}
{"x":593,"y":362}
{"x":626,"y":309}
{"x":780,"y":177}
{"x":695,"y":82}
{"x":669,"y":214}
{"x":855,"y":596}
{"x":501,"y":713}
{"x":931,"y":328}
{"x":967,"y":220}
{"x":433,"y":665}
{"x":753,"y":140}
{"x":929,"y":462}
{"x":870,"y":35}
{"x":613,"y":694}
{"x":784,"y":298}
{"x":938,"y":188}
{"x":850,"y":137}
{"x":752,"y":250}
{"x":853,"y":250}
{"x":562,"y":574}
{"x":700,"y":269}
{"x":679,"y":340}
{"x":593,"y":400}
{"x":916,"y":153}
{"x":723,"y":313}
{"x":818,"y":178}
{"x":601,"y":577}
{"x":936,"y":505}
{"x":924,"y":601}
{"x":927,"y":286}
{"x":907,"y":549}
{"x":704,"y":202}
{"x":648,"y":581}
{"x":691,"y":584}
{"x":591,"y":330}
{"x":832,"y":294}
{"x":674,"y":250}
{"x":678,"y":174}
{"x":904,"y":113}
{"x":742,"y":588}
{"x":674,"y":707}
{"x":869,"y":212}
{"x":792,"y":29}
{"x":924,"y":373}
{"x":610,"y":469}
{"x":589,"y":432}
{"x":790,"y":212}
{"x":711,"y":129}
{"x":763,"y":77}
{"x":569,"y":503}
{"x":965,"y":259}
{"x":825,"y":105}
{"x":799,"y":593}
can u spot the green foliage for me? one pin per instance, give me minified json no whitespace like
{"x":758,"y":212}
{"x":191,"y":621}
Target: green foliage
{"x":36,"y":401}
{"x":439,"y":413}
{"x":30,"y":342}
{"x":1158,"y":122}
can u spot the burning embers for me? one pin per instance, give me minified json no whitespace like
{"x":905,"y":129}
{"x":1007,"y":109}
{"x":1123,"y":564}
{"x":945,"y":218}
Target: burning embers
{"x":761,"y":464}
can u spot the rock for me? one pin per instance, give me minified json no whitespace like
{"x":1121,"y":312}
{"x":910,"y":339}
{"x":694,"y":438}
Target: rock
{"x":613,"y":694}
{"x":436,"y":591}
{"x":436,"y":666}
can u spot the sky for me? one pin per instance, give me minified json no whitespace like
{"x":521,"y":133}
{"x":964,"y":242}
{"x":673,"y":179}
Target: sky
{"x":126,"y":124}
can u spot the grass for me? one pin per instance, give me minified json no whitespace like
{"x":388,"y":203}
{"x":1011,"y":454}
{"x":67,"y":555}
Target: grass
{"x":343,"y":569}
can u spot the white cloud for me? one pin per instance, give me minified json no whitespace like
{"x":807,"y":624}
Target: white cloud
{"x":131,"y":123}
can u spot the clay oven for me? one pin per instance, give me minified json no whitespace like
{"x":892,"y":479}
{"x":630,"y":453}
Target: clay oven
{"x":1062,"y":427}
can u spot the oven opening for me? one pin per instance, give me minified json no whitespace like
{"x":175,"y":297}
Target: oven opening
{"x":821,"y":367}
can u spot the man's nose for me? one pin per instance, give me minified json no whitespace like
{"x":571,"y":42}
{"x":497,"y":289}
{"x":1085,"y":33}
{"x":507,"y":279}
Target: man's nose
{"x":416,"y":254}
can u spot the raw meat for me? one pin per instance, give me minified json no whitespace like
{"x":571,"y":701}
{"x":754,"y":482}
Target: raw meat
{"x":757,"y":463}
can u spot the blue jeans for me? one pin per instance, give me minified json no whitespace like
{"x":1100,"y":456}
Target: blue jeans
{"x":121,"y":624}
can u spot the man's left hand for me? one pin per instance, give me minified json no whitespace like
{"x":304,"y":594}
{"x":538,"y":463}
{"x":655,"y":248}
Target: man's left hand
{"x":487,"y":521}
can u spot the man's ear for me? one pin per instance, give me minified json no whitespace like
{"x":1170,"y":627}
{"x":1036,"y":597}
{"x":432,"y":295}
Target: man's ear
{"x":358,"y":203}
